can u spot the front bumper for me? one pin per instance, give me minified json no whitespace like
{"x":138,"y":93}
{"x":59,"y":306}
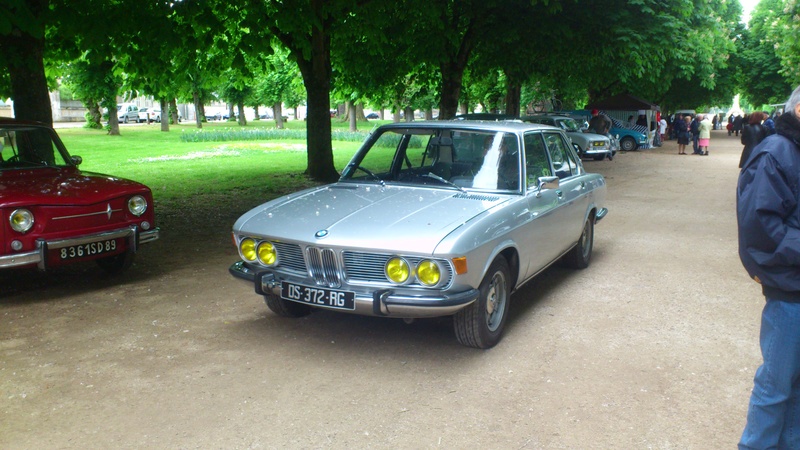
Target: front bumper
{"x":39,"y":256}
{"x":384,"y":302}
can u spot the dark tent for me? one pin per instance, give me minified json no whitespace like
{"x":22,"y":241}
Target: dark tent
{"x":623,"y":102}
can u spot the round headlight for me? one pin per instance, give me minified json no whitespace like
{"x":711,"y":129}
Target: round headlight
{"x":248,"y":249}
{"x":428,"y":273}
{"x":267,"y":254}
{"x":21,"y":220}
{"x":397,"y":270}
{"x":137,"y":205}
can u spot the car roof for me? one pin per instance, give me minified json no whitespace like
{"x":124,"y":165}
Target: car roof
{"x":476,"y":125}
{"x":547,"y":116}
{"x":10,"y":121}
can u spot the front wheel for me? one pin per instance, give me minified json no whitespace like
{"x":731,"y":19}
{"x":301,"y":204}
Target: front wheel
{"x":581,"y":254}
{"x":627,"y":144}
{"x":286,"y":308}
{"x":481,"y":324}
{"x":113,"y":265}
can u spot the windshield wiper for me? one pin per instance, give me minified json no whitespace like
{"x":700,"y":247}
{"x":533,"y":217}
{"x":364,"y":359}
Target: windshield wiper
{"x":443,"y":180}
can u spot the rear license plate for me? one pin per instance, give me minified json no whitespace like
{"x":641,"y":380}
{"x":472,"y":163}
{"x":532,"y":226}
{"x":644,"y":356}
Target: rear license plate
{"x":318,"y":296}
{"x":90,"y":249}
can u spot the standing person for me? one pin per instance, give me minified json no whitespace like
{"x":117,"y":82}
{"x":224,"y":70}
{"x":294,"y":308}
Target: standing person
{"x":715,"y":122}
{"x":769,"y":124}
{"x":599,"y":123}
{"x":682,"y":130}
{"x":738,"y":121}
{"x":767,"y":201}
{"x":704,"y":134}
{"x":730,"y":124}
{"x":694,"y":127}
{"x":678,"y":118}
{"x":752,"y":134}
{"x":662,"y":128}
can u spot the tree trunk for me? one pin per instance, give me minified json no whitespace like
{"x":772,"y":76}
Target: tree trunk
{"x":513,"y":95}
{"x":351,"y":115}
{"x":164,"y":106}
{"x":95,"y":118}
{"x":231,"y":113}
{"x":23,"y":57}
{"x":451,"y":89}
{"x":256,"y":115}
{"x":277,"y":114}
{"x":316,"y":70}
{"x":360,"y":112}
{"x":242,"y":118}
{"x":429,"y":114}
{"x":198,"y":105}
{"x":113,"y":118}
{"x":173,"y":112}
{"x":409,"y":114}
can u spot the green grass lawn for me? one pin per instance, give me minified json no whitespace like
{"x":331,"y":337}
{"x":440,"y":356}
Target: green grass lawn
{"x":175,"y":169}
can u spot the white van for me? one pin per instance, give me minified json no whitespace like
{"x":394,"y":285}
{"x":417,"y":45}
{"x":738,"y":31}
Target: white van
{"x":127,"y":112}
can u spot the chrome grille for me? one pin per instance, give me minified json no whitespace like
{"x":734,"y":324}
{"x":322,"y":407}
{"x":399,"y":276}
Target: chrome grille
{"x":324,"y":267}
{"x":290,"y":256}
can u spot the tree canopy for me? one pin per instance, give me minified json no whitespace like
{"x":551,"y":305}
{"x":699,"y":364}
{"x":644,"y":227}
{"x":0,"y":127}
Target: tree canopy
{"x":410,"y":54}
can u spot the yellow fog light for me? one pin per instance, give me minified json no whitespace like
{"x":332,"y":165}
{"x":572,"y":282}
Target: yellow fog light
{"x":21,"y":220}
{"x":267,"y":254}
{"x":397,"y":270}
{"x":248,"y":249}
{"x":428,"y":273}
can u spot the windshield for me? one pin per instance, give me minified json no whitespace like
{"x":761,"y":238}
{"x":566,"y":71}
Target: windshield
{"x":568,"y":125}
{"x":26,"y":147}
{"x":458,"y":159}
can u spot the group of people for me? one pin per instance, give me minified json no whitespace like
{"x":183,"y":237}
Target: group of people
{"x":696,"y":130}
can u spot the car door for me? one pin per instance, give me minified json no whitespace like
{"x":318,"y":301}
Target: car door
{"x":539,"y":241}
{"x":571,"y":193}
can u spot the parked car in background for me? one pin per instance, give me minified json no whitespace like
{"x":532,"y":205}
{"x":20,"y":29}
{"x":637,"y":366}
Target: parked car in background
{"x":373,"y":115}
{"x":148,"y":114}
{"x":588,"y":145}
{"x":127,"y":112}
{"x":55,"y":214}
{"x":215,"y":116}
{"x":629,"y":139}
{"x":441,"y":218}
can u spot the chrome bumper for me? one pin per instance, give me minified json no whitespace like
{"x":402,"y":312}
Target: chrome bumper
{"x":39,"y":256}
{"x":379,"y":302}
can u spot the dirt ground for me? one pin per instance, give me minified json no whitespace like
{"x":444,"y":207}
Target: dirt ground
{"x":653,"y":346}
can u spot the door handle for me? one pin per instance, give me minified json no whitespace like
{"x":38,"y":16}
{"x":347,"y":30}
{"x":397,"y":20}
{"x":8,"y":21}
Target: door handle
{"x":559,"y":193}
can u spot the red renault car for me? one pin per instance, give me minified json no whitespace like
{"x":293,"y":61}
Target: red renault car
{"x":52,"y":213}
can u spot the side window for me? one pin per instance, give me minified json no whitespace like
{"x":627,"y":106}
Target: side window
{"x":536,"y":163}
{"x":563,"y":159}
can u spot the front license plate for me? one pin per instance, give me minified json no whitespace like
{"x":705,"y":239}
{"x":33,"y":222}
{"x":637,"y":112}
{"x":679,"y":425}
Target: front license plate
{"x":90,"y":249}
{"x":318,"y":296}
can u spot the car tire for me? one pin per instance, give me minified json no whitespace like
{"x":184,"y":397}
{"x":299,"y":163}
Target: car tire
{"x":116,"y":264}
{"x":580,"y":255}
{"x":286,"y":308}
{"x":480,"y":325}
{"x":627,"y":144}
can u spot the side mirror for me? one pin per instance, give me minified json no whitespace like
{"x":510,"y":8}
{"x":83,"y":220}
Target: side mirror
{"x":548,"y":183}
{"x":76,"y":160}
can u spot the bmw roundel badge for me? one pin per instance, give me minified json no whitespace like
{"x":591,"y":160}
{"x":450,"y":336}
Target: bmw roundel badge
{"x":321,"y":234}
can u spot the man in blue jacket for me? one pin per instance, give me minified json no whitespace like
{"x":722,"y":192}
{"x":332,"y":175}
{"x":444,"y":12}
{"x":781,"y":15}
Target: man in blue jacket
{"x":768,"y":212}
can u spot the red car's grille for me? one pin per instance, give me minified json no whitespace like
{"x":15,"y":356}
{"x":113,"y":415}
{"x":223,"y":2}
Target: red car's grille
{"x":99,"y":215}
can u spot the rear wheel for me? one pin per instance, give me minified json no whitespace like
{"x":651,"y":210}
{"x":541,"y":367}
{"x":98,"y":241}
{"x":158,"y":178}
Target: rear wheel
{"x":286,"y":308}
{"x":580,"y":256}
{"x":481,"y":324}
{"x":627,"y":144}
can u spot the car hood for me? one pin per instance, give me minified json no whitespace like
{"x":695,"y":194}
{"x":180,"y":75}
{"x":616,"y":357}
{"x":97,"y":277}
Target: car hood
{"x":391,"y":218}
{"x":61,"y":186}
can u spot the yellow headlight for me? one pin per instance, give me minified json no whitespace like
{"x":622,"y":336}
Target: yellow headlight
{"x":21,"y":220}
{"x":248,"y":249}
{"x":397,"y":270}
{"x":267,"y":253}
{"x":428,"y":273}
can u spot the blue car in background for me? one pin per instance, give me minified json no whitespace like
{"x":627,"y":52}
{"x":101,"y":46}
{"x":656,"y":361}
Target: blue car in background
{"x":629,"y":138}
